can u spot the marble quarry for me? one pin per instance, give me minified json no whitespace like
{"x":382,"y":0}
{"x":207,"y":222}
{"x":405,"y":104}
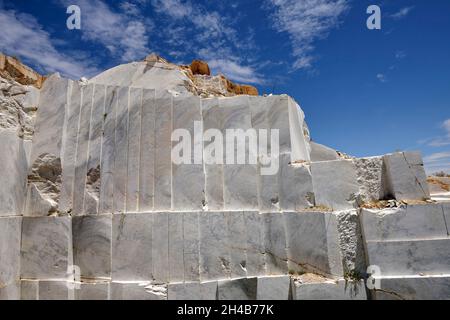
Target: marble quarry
{"x":93,"y":208}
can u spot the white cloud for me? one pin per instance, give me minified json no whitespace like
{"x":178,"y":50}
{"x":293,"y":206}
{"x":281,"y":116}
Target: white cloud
{"x":438,"y":156}
{"x":24,"y":37}
{"x":209,"y":35}
{"x":400,"y":55}
{"x":124,"y":34}
{"x":305,"y":22}
{"x":439,"y":161}
{"x":381,"y":77}
{"x":235,"y":71}
{"x":443,"y":140}
{"x":403,"y":12}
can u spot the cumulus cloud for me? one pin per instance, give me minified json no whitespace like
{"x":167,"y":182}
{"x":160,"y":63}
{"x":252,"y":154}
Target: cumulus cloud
{"x":24,"y":37}
{"x":123,"y":33}
{"x":305,"y":22}
{"x":210,"y":35}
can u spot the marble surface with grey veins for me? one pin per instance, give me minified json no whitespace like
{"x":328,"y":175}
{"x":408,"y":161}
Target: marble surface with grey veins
{"x":93,"y":208}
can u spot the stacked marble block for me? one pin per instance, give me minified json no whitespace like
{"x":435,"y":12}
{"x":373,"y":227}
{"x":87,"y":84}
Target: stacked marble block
{"x":106,"y":203}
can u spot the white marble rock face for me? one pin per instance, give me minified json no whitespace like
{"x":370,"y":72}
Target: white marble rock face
{"x":137,"y":291}
{"x":192,"y":291}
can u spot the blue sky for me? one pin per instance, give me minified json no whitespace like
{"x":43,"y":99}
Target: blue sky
{"x":364,"y":92}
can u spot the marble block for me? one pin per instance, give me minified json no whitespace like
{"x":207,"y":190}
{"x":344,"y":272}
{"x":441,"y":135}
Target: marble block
{"x":237,"y":289}
{"x":163,"y":148}
{"x":406,"y":178}
{"x":237,"y":234}
{"x":46,"y":247}
{"x":121,"y":151}
{"x":335,"y":184}
{"x":254,"y":226}
{"x":313,"y":243}
{"x":176,"y":247}
{"x":147,"y":158}
{"x":82,"y":149}
{"x":320,"y":152}
{"x":329,"y":290}
{"x":414,"y":288}
{"x":410,"y":257}
{"x":29,"y":289}
{"x":188,"y":178}
{"x":92,"y":291}
{"x":108,"y":152}
{"x":160,"y":246}
{"x":191,"y":242}
{"x":413,"y":222}
{"x":10,"y":236}
{"x":13,"y":172}
{"x":55,"y":290}
{"x":132,"y":247}
{"x":214,"y":246}
{"x":92,"y":245}
{"x":69,"y":149}
{"x":295,"y":185}
{"x":192,"y":291}
{"x":275,"y":244}
{"x":134,"y":148}
{"x":49,"y":126}
{"x":273,"y":288}
{"x":138,"y":291}
{"x":299,"y":133}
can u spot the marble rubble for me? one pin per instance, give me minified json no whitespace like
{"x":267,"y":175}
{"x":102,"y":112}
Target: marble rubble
{"x":92,"y":206}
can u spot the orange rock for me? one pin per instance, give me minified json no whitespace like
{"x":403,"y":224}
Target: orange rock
{"x":250,"y":90}
{"x":12,"y":68}
{"x":200,"y":67}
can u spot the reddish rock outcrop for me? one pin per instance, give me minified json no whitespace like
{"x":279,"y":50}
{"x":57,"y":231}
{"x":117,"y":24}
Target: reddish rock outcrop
{"x":200,"y":67}
{"x":12,"y":68}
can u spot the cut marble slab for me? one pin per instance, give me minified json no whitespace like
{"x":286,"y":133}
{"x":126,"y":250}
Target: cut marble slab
{"x":406,"y":176}
{"x":48,"y":129}
{"x":410,"y":257}
{"x":121,"y":150}
{"x":446,"y":210}
{"x":299,"y":133}
{"x":69,"y":146}
{"x":132,"y":247}
{"x":10,"y":291}
{"x":188,"y":184}
{"x":10,"y":236}
{"x":160,"y":246}
{"x":237,"y":289}
{"x":92,"y":291}
{"x":414,"y":222}
{"x":29,"y":289}
{"x":273,"y":288}
{"x":254,"y":226}
{"x":13,"y":172}
{"x":212,"y":116}
{"x":92,"y":245}
{"x":239,"y":180}
{"x":163,"y":147}
{"x":313,"y":243}
{"x":320,"y":152}
{"x":335,"y":184}
{"x":147,"y":158}
{"x":138,"y":291}
{"x":134,"y":148}
{"x":214,"y":246}
{"x":108,"y":152}
{"x":329,"y":290}
{"x":45,"y":247}
{"x":371,"y":176}
{"x":237,"y":234}
{"x":55,"y":290}
{"x":295,"y":185}
{"x":414,"y":288}
{"x":275,"y":244}
{"x":192,"y":291}
{"x":176,"y":247}
{"x":79,"y":186}
{"x":191,"y":242}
